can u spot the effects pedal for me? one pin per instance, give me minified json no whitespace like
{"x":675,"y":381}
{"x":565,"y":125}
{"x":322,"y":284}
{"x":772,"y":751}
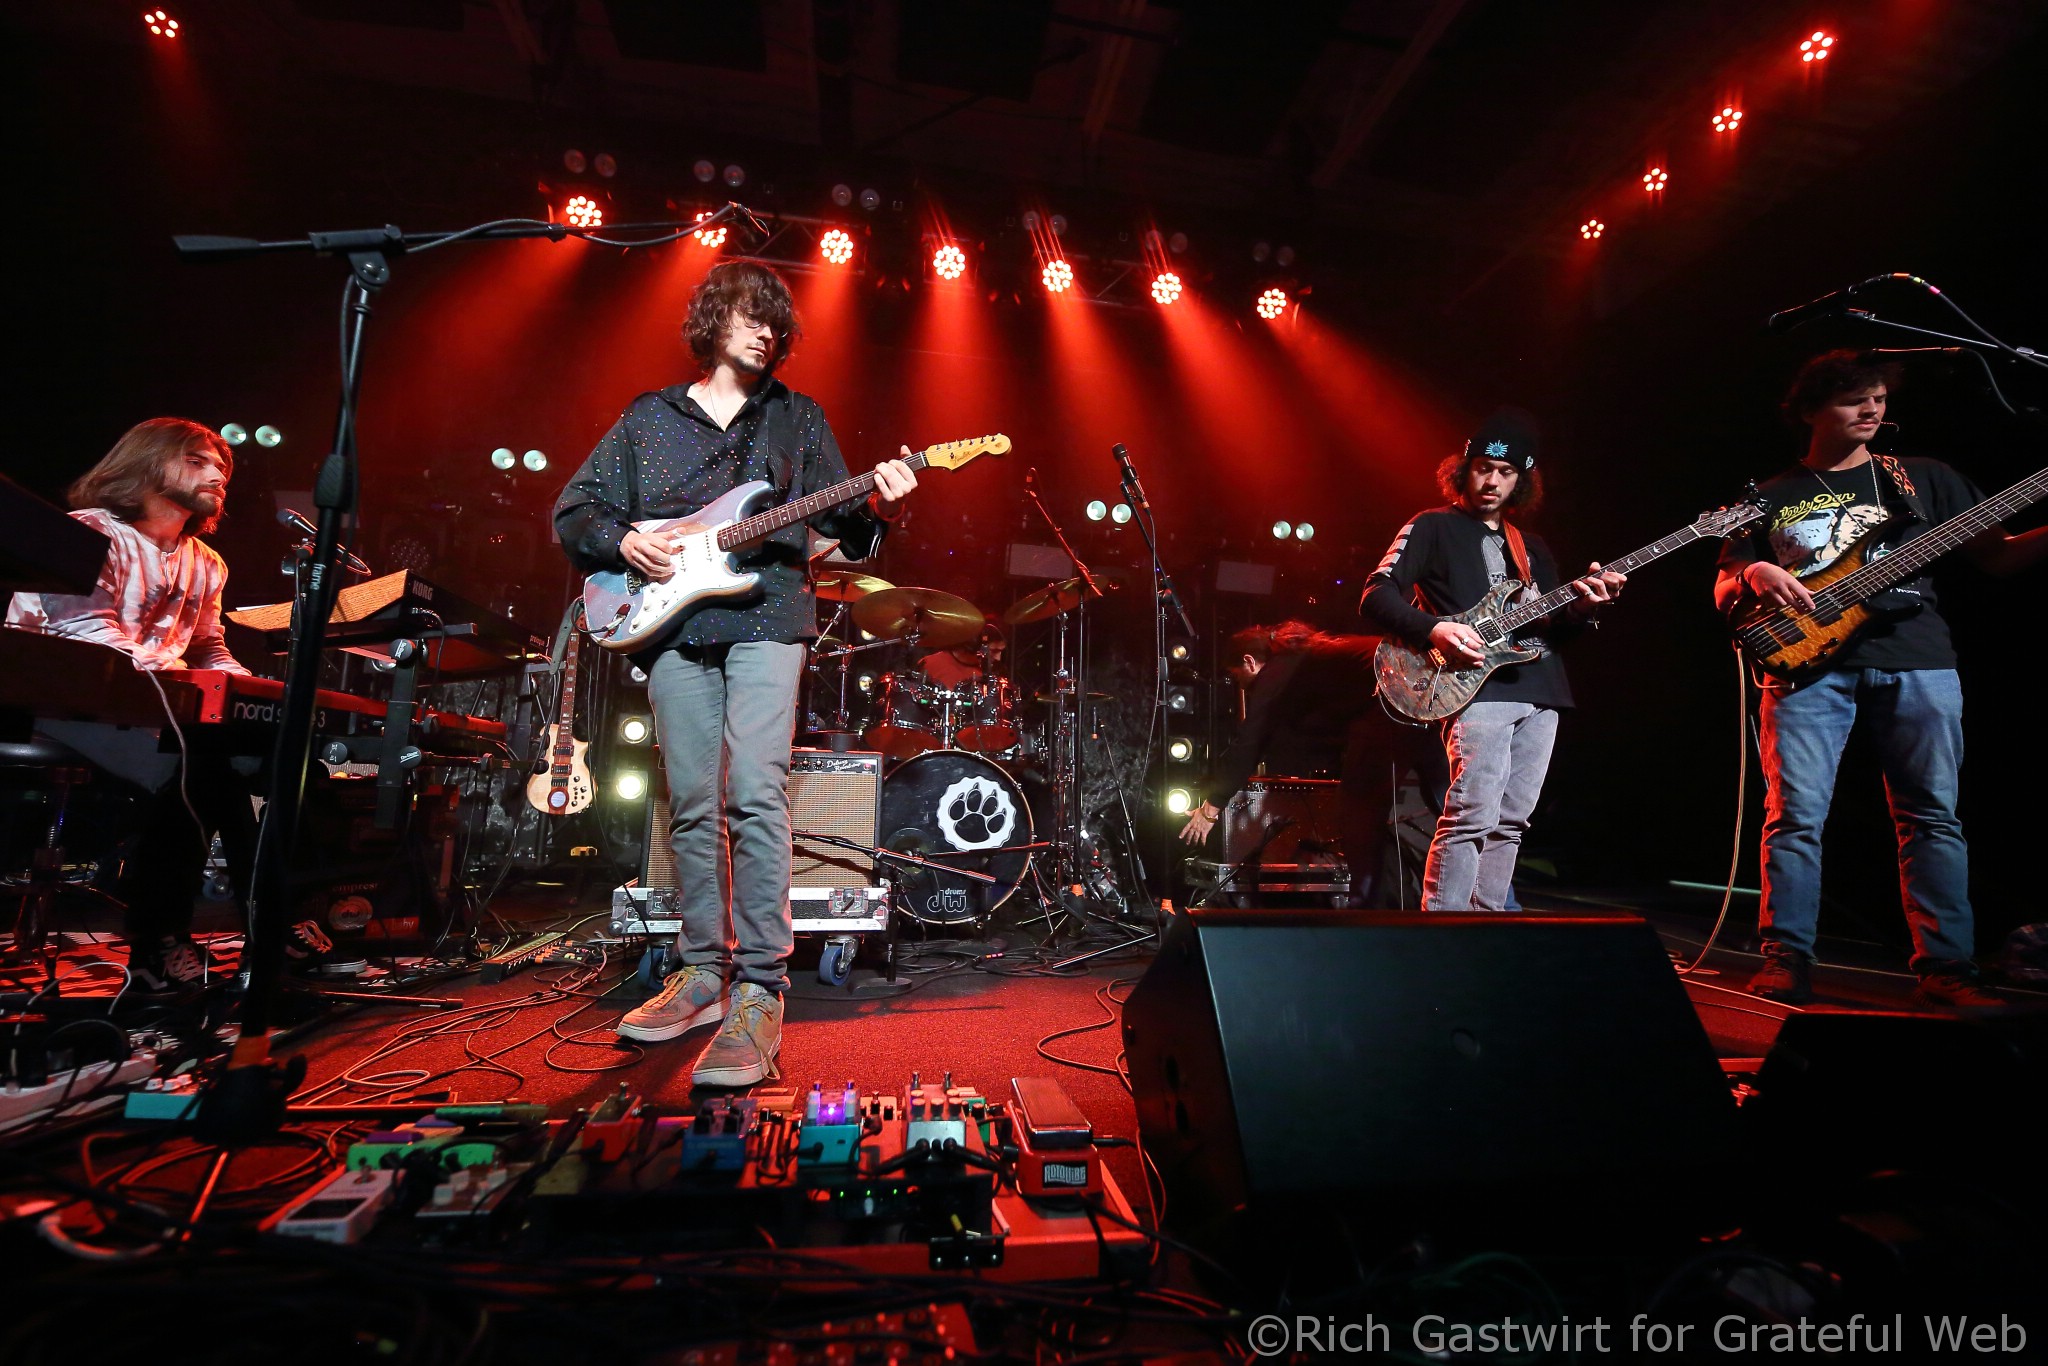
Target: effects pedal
{"x":341,"y":1210}
{"x":1055,"y":1141}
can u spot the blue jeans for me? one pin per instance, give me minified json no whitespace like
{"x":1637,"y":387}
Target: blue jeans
{"x":1916,"y":718}
{"x":1499,"y":753}
{"x":725,"y":716}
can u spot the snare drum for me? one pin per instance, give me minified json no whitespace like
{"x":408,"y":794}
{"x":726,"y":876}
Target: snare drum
{"x":988,"y":718}
{"x":961,"y":811}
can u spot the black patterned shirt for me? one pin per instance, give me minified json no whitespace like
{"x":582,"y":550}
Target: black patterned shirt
{"x":666,"y":457}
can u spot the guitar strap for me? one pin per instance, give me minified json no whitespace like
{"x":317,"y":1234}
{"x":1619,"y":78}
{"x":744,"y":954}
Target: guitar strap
{"x":1518,"y":551}
{"x":1902,"y":483}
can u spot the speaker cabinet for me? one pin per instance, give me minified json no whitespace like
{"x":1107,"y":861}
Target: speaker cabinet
{"x":830,"y":793}
{"x":1289,"y":1066}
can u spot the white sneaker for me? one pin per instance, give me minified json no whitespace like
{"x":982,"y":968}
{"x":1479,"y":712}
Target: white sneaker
{"x":745,"y":1049}
{"x":690,"y":997}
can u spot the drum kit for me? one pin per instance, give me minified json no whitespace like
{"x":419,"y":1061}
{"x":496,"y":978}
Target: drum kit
{"x":975,"y":772}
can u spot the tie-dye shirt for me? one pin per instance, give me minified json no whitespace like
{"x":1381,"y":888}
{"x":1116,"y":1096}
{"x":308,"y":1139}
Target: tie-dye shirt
{"x":162,"y":607}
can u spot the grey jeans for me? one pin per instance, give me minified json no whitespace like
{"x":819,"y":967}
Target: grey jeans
{"x":725,"y":716}
{"x":1499,"y":753}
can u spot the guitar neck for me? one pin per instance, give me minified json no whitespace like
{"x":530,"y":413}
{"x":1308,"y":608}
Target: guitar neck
{"x":761,"y":527}
{"x":1558,"y":598}
{"x":1916,"y":554}
{"x":564,"y":742}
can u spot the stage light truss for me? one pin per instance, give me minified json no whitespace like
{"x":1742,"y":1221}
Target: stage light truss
{"x":809,"y":245}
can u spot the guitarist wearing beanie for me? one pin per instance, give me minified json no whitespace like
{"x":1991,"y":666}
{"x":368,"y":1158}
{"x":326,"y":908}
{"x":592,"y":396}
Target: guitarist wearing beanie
{"x":1498,"y":747}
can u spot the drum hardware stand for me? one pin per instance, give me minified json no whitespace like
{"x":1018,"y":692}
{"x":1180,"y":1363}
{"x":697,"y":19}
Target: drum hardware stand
{"x":246,"y":1101}
{"x":1064,"y":734}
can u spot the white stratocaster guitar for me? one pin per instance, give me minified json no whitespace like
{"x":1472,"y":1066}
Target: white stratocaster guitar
{"x":627,"y":611}
{"x":565,"y":788}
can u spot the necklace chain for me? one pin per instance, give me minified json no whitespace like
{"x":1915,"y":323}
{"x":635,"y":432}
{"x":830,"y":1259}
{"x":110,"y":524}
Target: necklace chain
{"x":1877,"y":494}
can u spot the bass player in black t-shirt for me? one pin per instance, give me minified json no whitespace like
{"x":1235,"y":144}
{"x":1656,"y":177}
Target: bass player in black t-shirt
{"x":1899,"y":679}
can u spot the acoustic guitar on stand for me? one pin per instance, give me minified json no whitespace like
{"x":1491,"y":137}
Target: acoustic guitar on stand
{"x":1426,"y":685}
{"x":1789,"y":645}
{"x":565,"y":787}
{"x":628,"y":611}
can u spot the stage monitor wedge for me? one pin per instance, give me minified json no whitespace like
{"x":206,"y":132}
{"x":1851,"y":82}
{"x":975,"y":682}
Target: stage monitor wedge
{"x":1416,"y":1070}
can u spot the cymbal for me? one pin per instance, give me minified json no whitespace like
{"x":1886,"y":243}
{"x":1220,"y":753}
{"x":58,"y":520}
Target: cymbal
{"x":937,"y":618}
{"x":1050,"y":601}
{"x":846,"y":585}
{"x":1093,"y":696}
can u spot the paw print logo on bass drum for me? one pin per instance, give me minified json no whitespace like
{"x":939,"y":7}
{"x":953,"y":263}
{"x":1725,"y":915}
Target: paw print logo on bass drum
{"x":976,"y":813}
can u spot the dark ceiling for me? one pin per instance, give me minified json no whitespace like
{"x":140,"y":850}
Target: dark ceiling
{"x":1453,"y":139}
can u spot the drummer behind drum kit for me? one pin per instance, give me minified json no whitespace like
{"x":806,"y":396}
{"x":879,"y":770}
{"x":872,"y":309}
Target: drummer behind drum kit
{"x":961,"y":754}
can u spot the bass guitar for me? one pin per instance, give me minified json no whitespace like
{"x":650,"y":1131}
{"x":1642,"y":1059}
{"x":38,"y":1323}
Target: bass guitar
{"x":1792,"y":644}
{"x":1426,"y":685}
{"x":628,"y":611}
{"x":565,"y":788}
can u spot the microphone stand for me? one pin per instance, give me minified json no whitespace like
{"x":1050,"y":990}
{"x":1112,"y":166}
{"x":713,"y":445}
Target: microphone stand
{"x":1165,"y":598}
{"x":245,"y":1102}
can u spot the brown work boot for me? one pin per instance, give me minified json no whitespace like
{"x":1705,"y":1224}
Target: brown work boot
{"x":744,"y":1050}
{"x":1785,"y":976}
{"x":1955,"y":986}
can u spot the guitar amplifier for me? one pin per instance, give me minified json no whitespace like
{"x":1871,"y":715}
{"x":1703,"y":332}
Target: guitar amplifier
{"x":1288,"y":835}
{"x":832,"y":890}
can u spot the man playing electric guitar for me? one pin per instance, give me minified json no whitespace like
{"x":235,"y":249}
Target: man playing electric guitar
{"x":723,"y":681}
{"x":1498,"y":748}
{"x":1899,"y":677}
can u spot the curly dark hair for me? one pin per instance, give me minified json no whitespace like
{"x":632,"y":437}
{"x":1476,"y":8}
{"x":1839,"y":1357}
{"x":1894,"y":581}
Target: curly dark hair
{"x":1450,"y":482}
{"x":136,"y":465}
{"x":1830,"y":374}
{"x":744,"y":289}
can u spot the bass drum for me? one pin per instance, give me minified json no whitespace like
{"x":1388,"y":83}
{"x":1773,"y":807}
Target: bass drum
{"x":964,"y":812}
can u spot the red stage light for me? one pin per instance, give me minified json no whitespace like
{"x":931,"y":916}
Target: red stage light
{"x":1654,"y":179}
{"x":1815,"y":49}
{"x":583,"y":212}
{"x":1165,"y":287}
{"x":1591,"y":229}
{"x":1728,"y":120}
{"x":1272,"y":304}
{"x":1058,"y":276}
{"x":713,"y":238}
{"x":949,"y":262}
{"x":836,"y":247}
{"x":161,"y":24}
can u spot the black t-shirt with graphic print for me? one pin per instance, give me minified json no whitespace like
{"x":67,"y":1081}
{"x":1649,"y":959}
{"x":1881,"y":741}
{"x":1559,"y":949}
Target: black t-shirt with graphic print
{"x":1812,"y":518}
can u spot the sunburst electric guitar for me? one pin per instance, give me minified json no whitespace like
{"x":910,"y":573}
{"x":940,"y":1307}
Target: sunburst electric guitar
{"x":628,"y":611}
{"x":565,"y":788}
{"x":1790,"y":645}
{"x":1425,"y":685}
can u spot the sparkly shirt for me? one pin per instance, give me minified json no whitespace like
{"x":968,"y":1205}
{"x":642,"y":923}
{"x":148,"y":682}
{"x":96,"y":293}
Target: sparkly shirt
{"x":666,"y":457}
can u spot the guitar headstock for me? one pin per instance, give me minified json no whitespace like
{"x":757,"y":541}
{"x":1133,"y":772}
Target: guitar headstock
{"x":951,"y":455}
{"x":1730,"y":520}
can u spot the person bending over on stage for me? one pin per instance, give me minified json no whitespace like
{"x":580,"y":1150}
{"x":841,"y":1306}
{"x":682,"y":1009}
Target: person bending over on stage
{"x":1498,"y":747}
{"x":153,"y":496}
{"x":1309,"y":710}
{"x":1898,"y":680}
{"x":723,"y":684}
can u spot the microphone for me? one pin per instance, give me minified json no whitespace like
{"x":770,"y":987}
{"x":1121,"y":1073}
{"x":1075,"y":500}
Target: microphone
{"x":1131,"y":484}
{"x":759,"y":228}
{"x":312,"y":533}
{"x":1833,"y":302}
